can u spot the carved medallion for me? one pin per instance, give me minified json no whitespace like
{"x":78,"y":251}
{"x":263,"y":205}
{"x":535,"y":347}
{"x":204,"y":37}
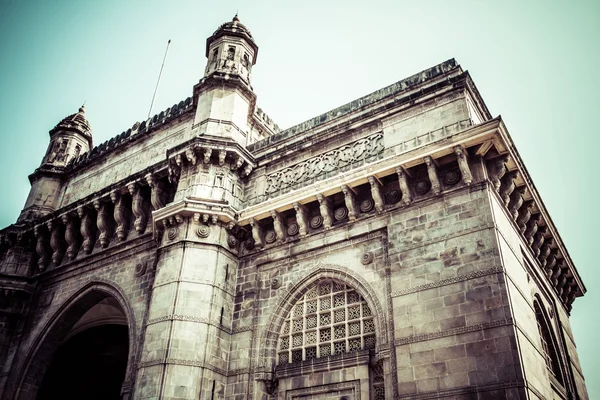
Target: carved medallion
{"x":316,"y":222}
{"x":232,"y":241}
{"x":451,"y":178}
{"x":203,"y":231}
{"x":249,"y":244}
{"x":366,"y":205}
{"x":367,"y":258}
{"x":172,"y":233}
{"x":140,"y":268}
{"x":293,"y":229}
{"x":340,"y":213}
{"x":392,"y":197}
{"x":422,"y":187}
{"x":270,"y":237}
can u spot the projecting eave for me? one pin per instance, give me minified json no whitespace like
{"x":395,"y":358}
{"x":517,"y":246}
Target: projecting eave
{"x":504,"y":145}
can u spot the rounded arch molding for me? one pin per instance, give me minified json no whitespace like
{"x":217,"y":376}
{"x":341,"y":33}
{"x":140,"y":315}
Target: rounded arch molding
{"x":42,"y":349}
{"x":297,"y":289}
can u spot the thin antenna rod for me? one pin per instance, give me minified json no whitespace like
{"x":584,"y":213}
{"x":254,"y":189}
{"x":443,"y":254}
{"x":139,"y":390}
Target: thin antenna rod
{"x":159,"y":75}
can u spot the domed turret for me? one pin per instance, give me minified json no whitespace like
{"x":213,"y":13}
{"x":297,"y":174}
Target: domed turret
{"x":231,"y":50}
{"x":68,"y":139}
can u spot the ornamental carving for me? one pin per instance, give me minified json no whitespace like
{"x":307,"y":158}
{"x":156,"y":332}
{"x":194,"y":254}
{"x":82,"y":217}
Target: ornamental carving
{"x":203,"y":231}
{"x":327,"y":164}
{"x":366,"y":258}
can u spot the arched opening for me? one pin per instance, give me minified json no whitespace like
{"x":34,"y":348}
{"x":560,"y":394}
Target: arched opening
{"x":548,"y":344}
{"x":84,"y":351}
{"x":92,"y":360}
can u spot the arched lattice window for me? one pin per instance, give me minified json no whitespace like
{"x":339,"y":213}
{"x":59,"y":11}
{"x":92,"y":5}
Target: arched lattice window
{"x":548,"y":346}
{"x":331,"y":318}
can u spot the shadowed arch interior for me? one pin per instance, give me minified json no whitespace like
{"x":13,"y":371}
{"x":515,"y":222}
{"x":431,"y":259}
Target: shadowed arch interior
{"x":58,"y":334}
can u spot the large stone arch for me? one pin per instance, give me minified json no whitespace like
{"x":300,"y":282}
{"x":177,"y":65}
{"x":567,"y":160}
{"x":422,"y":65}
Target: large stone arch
{"x":297,"y":289}
{"x":31,"y":371}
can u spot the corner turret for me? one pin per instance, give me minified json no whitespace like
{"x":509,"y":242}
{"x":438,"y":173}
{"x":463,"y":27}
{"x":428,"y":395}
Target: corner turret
{"x":70,"y":138}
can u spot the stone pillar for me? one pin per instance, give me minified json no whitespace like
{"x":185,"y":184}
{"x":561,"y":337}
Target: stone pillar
{"x":187,"y":338}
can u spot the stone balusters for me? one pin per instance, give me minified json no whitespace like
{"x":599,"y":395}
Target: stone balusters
{"x":497,"y":168}
{"x":158,"y":192}
{"x":545,"y":251}
{"x":532,"y":228}
{"x":551,"y":262}
{"x":560,"y":285}
{"x":122,"y":215}
{"x":376,"y":193}
{"x":507,"y":186}
{"x":279,"y":227}
{"x":463,"y":165}
{"x":403,"y":182}
{"x":301,"y":218}
{"x":516,"y":201}
{"x":350,"y":201}
{"x":524,"y":215}
{"x":433,"y":175}
{"x":41,"y":247}
{"x":537,"y":243}
{"x":57,"y":241}
{"x":139,"y":207}
{"x":72,"y":235}
{"x":87,"y":229}
{"x":257,"y":233}
{"x":325,"y":210}
{"x":560,"y":268}
{"x":104,"y":222}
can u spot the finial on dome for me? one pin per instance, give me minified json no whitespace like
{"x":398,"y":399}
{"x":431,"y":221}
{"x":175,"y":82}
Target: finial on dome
{"x":236,"y":18}
{"x":82,"y":108}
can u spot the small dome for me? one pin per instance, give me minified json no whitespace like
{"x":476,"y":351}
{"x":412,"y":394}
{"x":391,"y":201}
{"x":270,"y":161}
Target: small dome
{"x":233,"y":28}
{"x":77,"y":123}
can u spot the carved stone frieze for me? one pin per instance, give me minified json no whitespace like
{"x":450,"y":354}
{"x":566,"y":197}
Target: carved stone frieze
{"x":327,"y":164}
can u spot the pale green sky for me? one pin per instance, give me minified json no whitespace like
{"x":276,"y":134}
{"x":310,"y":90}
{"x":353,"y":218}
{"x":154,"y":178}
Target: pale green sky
{"x":534,"y":62}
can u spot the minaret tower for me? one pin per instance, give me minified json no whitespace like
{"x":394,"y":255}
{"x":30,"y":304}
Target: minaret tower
{"x":68,"y":139}
{"x":224,"y":96}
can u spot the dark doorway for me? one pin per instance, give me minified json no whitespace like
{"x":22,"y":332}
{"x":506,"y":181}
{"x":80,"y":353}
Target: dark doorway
{"x":90,"y":365}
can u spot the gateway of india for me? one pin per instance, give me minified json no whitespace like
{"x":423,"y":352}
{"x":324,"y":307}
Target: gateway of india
{"x":392,"y":248}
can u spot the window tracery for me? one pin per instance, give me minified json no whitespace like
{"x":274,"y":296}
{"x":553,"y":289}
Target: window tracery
{"x":330,"y":319}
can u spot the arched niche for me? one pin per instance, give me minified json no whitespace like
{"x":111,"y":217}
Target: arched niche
{"x":94,"y":305}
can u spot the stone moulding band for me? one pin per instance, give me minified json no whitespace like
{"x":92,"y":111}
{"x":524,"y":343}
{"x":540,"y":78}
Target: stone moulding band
{"x":467,"y":390}
{"x":449,"y":281}
{"x":452,"y":332}
{"x":188,"y":318}
{"x":179,"y":361}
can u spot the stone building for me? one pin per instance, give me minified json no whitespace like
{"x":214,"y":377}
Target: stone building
{"x":394,"y":247}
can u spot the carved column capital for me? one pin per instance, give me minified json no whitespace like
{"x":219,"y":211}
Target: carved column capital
{"x":463,"y":164}
{"x":433,"y":175}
